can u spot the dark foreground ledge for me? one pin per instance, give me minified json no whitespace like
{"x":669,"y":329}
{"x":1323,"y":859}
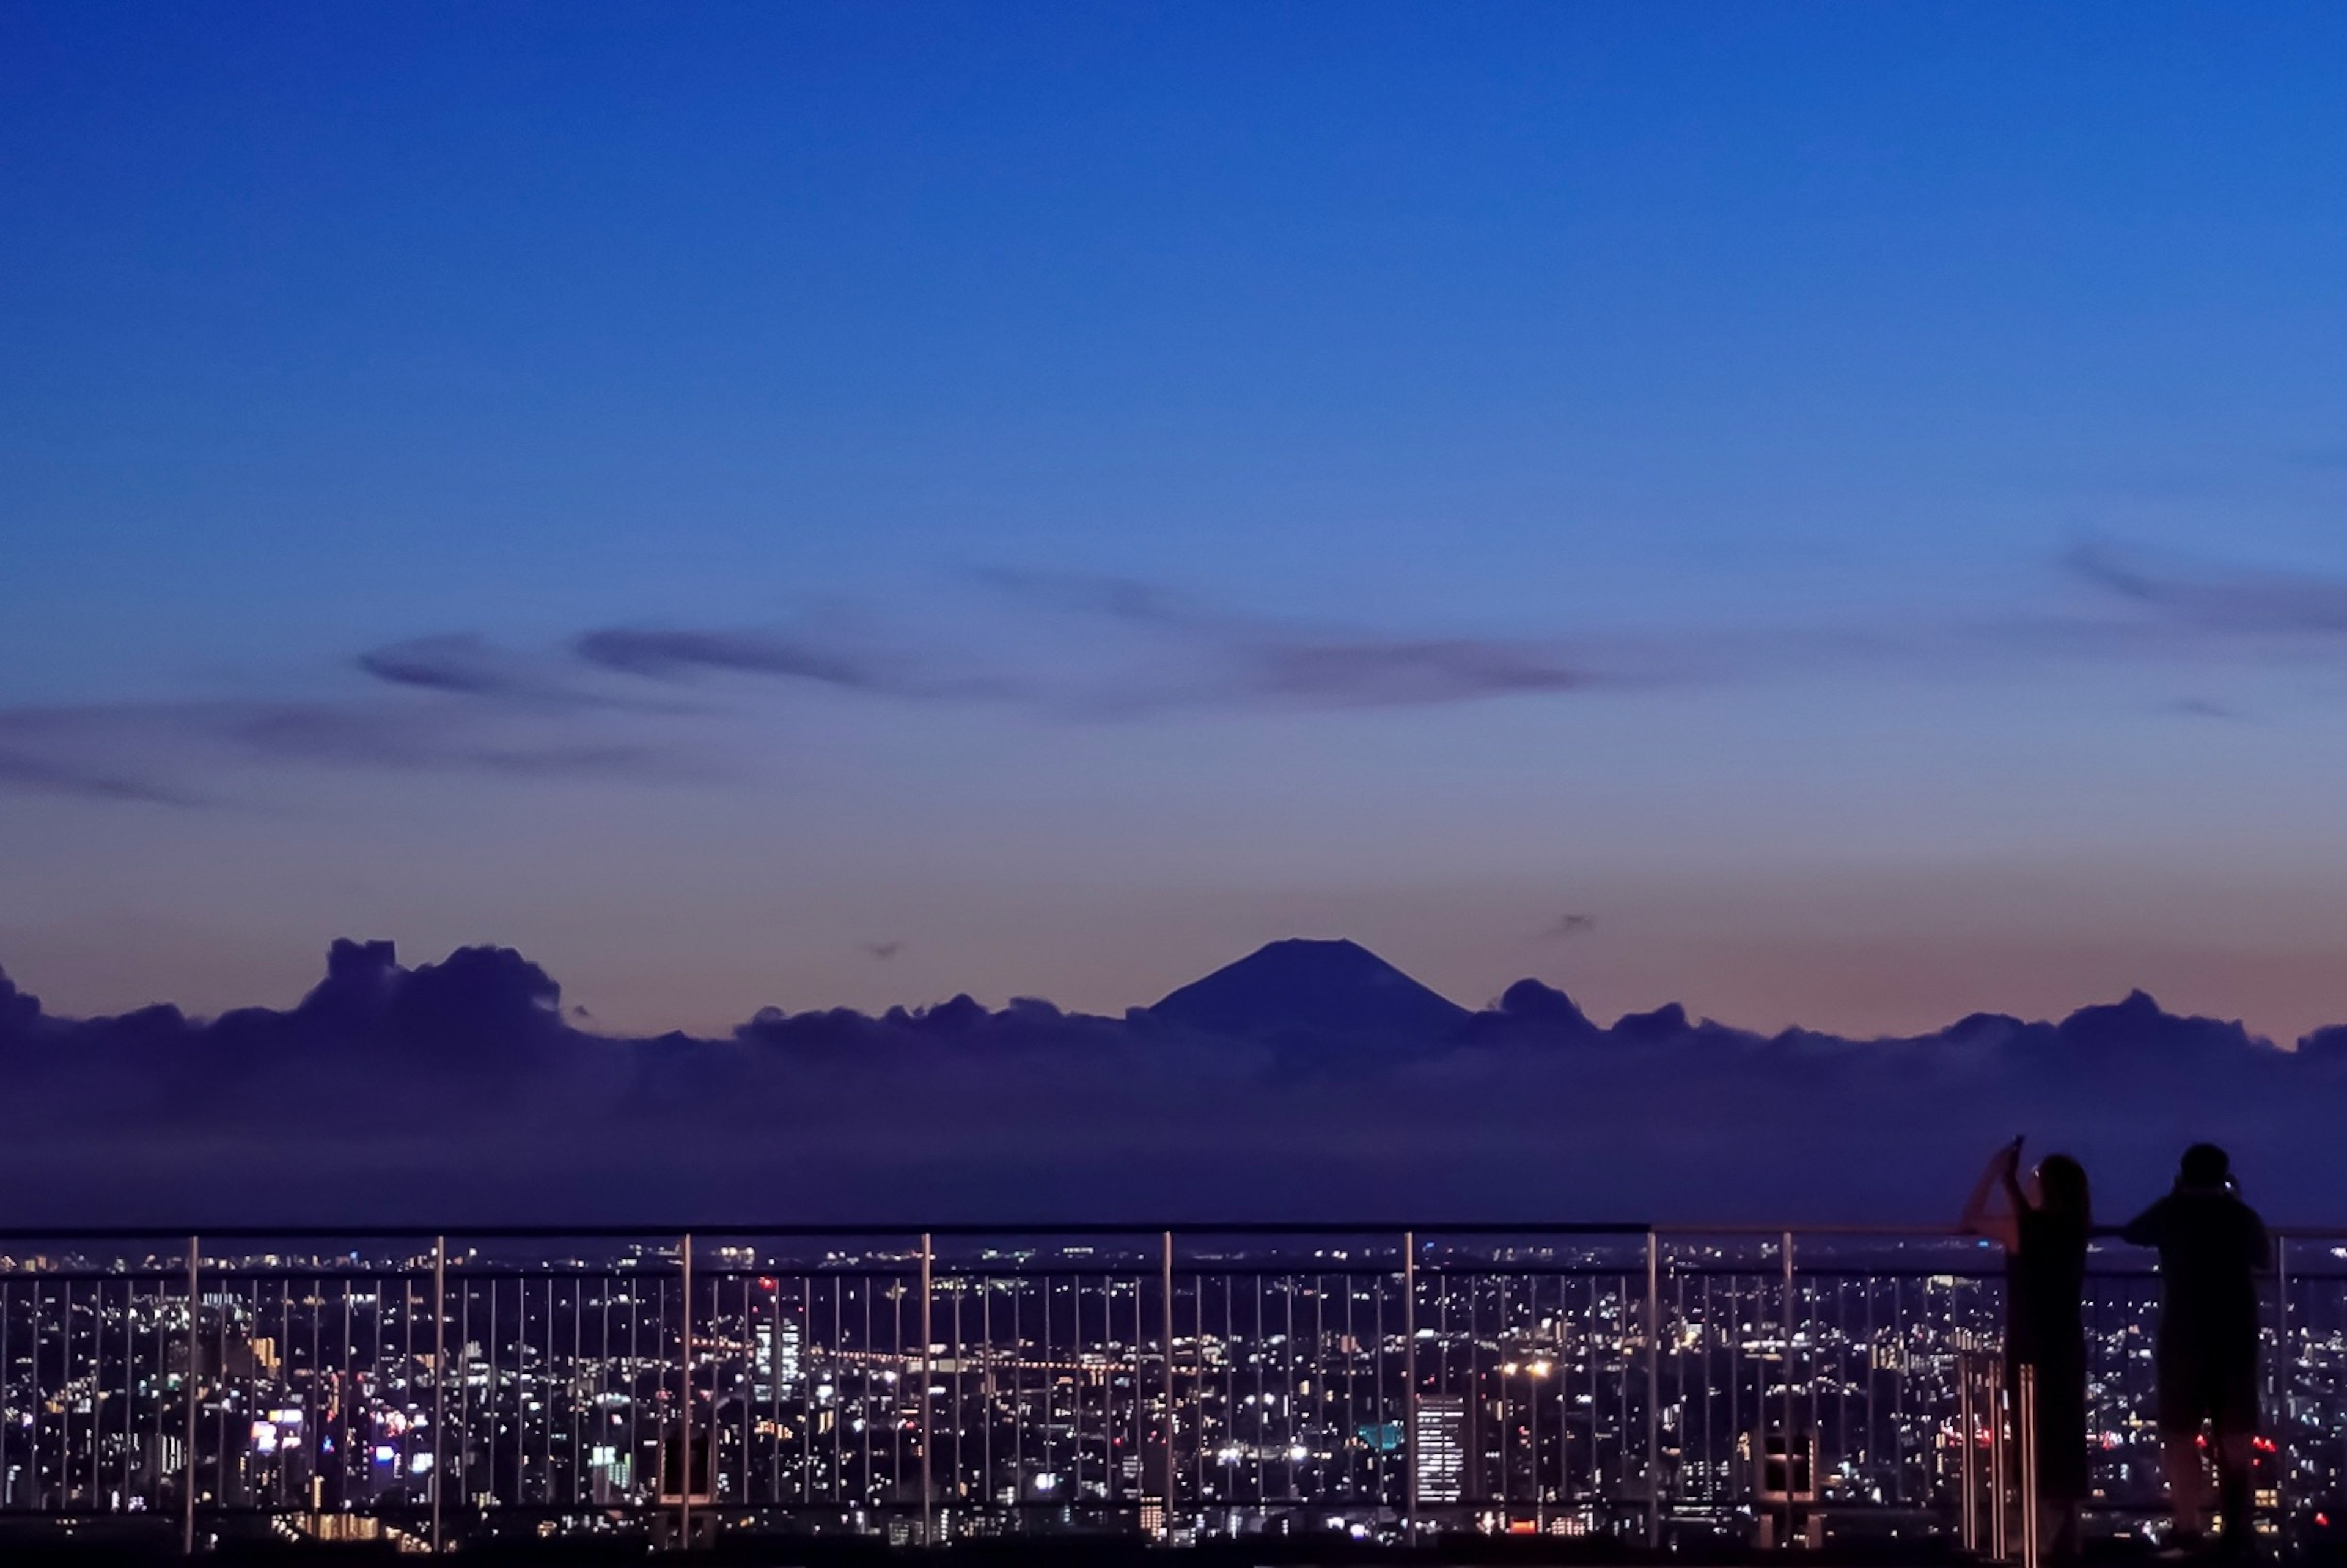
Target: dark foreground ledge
{"x":41,"y":1545}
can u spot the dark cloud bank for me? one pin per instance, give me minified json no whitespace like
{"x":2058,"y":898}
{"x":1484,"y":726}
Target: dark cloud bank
{"x":1310,"y":1080}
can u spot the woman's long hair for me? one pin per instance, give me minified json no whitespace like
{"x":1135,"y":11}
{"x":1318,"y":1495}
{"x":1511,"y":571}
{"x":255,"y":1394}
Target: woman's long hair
{"x":2061,"y":1190}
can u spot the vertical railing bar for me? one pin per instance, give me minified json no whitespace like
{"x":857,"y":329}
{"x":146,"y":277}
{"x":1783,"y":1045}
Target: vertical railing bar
{"x":929,"y":1367}
{"x":1322,"y":1400}
{"x":1555,"y":1345}
{"x":775,"y":1394}
{"x":130,"y":1375}
{"x":1703,"y":1337}
{"x":868,"y":1399}
{"x":582,"y":1450}
{"x":130,"y":1395}
{"x":2026,"y":1422}
{"x":684,"y":1403}
{"x":1409,"y":1378}
{"x":957,"y":1486}
{"x":65,"y":1387}
{"x":1166,"y":1289}
{"x":1294,"y":1414}
{"x":839,"y":1395}
{"x":1996,"y":1467}
{"x":1733,"y":1348}
{"x":749,"y":1318}
{"x":1653,"y":1390}
{"x":39,"y":1425}
{"x":347,"y":1383}
{"x":439,"y":1385}
{"x":2277,"y":1394}
{"x":545,"y":1377}
{"x":98,"y":1388}
{"x":1898,"y":1390}
{"x":1350,"y":1346}
{"x":498,"y":1388}
{"x":1479,"y":1472}
{"x":188,"y":1481}
{"x":1873,"y":1451}
{"x":1230,"y":1480}
{"x":1967,"y":1502}
{"x":989,"y":1386}
{"x":317,"y":1376}
{"x":1262,"y":1414}
{"x":1785,"y":1247}
{"x":8,"y":1381}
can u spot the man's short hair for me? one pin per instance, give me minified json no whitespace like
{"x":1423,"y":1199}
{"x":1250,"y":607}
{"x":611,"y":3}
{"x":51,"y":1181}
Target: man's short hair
{"x":2206,"y":1165}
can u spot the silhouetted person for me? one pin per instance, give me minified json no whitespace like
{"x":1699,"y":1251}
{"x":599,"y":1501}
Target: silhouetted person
{"x":2043,"y":1233}
{"x":2213,"y":1246}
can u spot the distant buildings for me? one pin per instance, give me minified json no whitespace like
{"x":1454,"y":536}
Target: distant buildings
{"x":1439,"y":1439}
{"x":1548,"y":1398}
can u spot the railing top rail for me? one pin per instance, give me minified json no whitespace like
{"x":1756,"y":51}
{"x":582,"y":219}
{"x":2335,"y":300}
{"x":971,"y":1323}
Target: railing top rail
{"x":912,"y":1230}
{"x":908,"y":1231}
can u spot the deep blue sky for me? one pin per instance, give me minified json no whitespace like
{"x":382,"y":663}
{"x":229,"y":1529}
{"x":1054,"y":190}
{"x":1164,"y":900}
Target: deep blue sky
{"x":1846,"y":498}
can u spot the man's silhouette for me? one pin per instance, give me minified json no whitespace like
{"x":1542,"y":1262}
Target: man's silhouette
{"x":2213,"y":1246}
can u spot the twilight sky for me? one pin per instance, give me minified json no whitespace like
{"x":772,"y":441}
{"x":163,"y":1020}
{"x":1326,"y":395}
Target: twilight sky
{"x":1822,"y":513}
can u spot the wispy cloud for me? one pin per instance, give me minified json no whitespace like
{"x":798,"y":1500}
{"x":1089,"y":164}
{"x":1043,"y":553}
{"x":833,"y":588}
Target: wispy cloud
{"x":461,"y":665}
{"x":1207,"y":657}
{"x":401,"y":737}
{"x":466,"y":665}
{"x":136,"y":752}
{"x":2205,"y":708}
{"x":1123,"y":599}
{"x":675,"y":655}
{"x":51,"y":775}
{"x":1404,"y":671}
{"x":2216,"y":600}
{"x":604,"y":703}
{"x":876,"y":668}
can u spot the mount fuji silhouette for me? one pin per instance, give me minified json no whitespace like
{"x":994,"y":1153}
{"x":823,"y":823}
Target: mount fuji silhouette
{"x":1305,"y":988}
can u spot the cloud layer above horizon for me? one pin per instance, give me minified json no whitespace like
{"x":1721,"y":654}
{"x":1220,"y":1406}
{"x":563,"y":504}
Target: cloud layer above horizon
{"x":461,"y":1092}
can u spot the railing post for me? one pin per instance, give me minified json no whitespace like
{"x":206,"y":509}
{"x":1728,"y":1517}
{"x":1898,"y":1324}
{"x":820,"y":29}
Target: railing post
{"x":1409,"y":1376}
{"x":1654,"y":1391}
{"x":684,"y":1406}
{"x":2025,"y":1421}
{"x":439,"y":1384}
{"x":2277,"y":1390}
{"x":1786,"y":1248}
{"x":1998,"y":1531}
{"x":1967,"y":1467}
{"x":188,"y":1461}
{"x":1166,"y":1289}
{"x":929,"y":1373}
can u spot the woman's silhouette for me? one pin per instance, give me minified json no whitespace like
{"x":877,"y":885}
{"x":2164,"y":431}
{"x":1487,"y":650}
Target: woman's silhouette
{"x":2043,"y":1233}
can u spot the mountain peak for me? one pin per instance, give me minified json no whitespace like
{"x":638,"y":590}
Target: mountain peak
{"x":1301,"y":986}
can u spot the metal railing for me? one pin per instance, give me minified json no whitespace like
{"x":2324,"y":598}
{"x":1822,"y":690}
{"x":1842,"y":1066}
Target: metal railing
{"x":1638,"y":1382}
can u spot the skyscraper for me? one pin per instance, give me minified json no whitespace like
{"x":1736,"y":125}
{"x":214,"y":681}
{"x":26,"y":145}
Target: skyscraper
{"x":1439,"y":1448}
